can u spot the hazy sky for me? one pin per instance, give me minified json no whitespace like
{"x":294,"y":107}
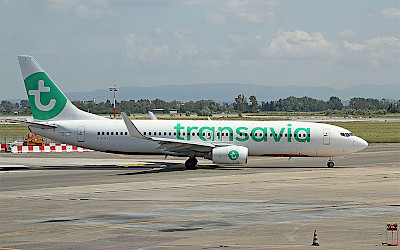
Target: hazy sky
{"x":87,"y":45}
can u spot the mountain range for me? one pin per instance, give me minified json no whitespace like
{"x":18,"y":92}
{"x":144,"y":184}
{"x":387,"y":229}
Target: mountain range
{"x":226,"y":92}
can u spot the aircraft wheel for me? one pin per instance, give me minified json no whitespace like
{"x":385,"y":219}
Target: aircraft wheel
{"x":191,"y":163}
{"x":330,"y":164}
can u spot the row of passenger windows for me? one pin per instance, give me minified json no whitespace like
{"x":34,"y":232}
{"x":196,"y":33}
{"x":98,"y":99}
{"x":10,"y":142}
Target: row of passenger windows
{"x":112,"y":133}
{"x":209,"y":134}
{"x":222,"y":134}
{"x":346,"y":134}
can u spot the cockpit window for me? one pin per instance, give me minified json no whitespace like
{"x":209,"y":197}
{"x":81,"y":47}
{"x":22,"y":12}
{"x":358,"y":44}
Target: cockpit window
{"x":346,"y":134}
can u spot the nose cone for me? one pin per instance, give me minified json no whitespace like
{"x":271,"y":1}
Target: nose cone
{"x":361,"y":144}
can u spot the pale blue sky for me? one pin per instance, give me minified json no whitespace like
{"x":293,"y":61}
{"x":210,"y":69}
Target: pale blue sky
{"x":87,"y":45}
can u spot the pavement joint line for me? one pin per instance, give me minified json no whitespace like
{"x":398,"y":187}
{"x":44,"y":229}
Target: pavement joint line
{"x":194,"y":218}
{"x":241,"y":245}
{"x":183,"y":186}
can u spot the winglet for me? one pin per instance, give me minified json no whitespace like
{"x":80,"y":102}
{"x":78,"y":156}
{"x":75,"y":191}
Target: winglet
{"x":133,"y":131}
{"x":152,"y":116}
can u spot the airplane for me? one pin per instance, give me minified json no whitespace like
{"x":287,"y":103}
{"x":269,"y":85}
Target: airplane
{"x":221,"y":141}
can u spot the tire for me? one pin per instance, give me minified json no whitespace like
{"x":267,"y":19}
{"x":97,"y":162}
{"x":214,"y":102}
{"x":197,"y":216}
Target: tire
{"x":191,"y":163}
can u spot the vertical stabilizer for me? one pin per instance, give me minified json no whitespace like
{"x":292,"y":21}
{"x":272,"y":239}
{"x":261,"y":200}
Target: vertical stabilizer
{"x":47,"y":101}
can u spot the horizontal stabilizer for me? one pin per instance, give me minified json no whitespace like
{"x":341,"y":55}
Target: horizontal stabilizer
{"x":34,"y":124}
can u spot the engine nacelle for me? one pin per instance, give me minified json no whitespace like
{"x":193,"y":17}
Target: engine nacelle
{"x":230,"y":155}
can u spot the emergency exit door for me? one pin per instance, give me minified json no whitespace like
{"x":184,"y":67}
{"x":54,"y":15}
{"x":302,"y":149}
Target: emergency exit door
{"x":81,"y":134}
{"x":326,"y":136}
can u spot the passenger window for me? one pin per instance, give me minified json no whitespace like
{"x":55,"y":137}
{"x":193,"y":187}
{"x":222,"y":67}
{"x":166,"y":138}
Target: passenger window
{"x":102,"y":133}
{"x":285,"y":135}
{"x":108,"y":133}
{"x":144,"y":133}
{"x":98,"y":133}
{"x":308,"y":135}
{"x":231,"y":134}
{"x":149,"y":133}
{"x":126,"y":133}
{"x":174,"y":133}
{"x":169,"y":133}
{"x":116,"y":133}
{"x":165,"y":133}
{"x":193,"y":134}
{"x":112,"y":133}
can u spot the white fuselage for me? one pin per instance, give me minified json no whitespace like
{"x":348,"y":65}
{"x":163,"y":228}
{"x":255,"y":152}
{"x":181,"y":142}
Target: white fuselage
{"x":262,"y":138}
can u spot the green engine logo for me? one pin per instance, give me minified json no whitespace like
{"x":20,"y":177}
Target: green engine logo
{"x":45,"y":98}
{"x":233,"y":155}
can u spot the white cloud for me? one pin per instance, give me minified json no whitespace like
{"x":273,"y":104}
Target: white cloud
{"x":58,"y":4}
{"x":90,"y":13}
{"x":383,"y":50}
{"x":144,"y":52}
{"x":353,"y":46}
{"x":348,"y":33}
{"x":300,"y":44}
{"x":216,"y":18}
{"x":251,"y":11}
{"x":391,"y":13}
{"x":186,"y":47}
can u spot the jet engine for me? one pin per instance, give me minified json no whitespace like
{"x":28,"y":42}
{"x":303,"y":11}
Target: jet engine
{"x":230,"y":155}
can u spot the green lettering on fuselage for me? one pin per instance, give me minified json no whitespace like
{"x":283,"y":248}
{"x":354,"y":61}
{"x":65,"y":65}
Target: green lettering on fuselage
{"x":178,"y":128}
{"x":210,"y":137}
{"x":242,"y":134}
{"x":221,"y":130}
{"x":257,"y":134}
{"x":277,"y":137}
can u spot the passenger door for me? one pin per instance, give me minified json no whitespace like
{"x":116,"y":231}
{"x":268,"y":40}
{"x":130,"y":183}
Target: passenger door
{"x":326,"y":138}
{"x":81,"y":134}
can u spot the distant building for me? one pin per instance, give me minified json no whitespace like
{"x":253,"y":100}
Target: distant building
{"x":158,"y":111}
{"x":90,"y":101}
{"x":173,"y":111}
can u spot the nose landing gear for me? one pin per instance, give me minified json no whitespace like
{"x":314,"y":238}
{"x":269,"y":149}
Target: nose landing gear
{"x":191,"y":163}
{"x":330,"y":163}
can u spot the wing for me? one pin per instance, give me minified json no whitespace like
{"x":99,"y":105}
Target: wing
{"x":169,"y":144}
{"x":34,"y":124}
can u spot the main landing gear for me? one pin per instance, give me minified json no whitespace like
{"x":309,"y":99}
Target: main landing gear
{"x":330,"y":163}
{"x":191,"y":163}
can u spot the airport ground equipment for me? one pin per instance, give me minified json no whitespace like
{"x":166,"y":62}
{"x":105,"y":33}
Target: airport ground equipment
{"x":391,"y":227}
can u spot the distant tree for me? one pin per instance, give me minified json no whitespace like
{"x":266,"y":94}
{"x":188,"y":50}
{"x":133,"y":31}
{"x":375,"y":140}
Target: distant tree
{"x":334,"y":103}
{"x":241,"y":103}
{"x":254,"y":104}
{"x":6,"y":106}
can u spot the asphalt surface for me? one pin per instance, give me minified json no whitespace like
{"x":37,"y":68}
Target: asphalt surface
{"x":104,"y":201}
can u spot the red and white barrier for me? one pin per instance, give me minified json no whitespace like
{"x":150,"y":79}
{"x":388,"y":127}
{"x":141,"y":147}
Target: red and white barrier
{"x":3,"y":147}
{"x":57,"y":148}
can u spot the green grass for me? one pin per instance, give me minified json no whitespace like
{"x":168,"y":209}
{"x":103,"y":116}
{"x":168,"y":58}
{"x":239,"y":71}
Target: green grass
{"x":13,"y":130}
{"x":373,"y":132}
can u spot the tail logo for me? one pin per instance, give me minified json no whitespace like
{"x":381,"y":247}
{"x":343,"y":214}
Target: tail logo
{"x":36,"y":94}
{"x":46,"y":100}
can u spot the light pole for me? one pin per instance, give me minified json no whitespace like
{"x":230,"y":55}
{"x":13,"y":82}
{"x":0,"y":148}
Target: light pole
{"x":114,"y":89}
